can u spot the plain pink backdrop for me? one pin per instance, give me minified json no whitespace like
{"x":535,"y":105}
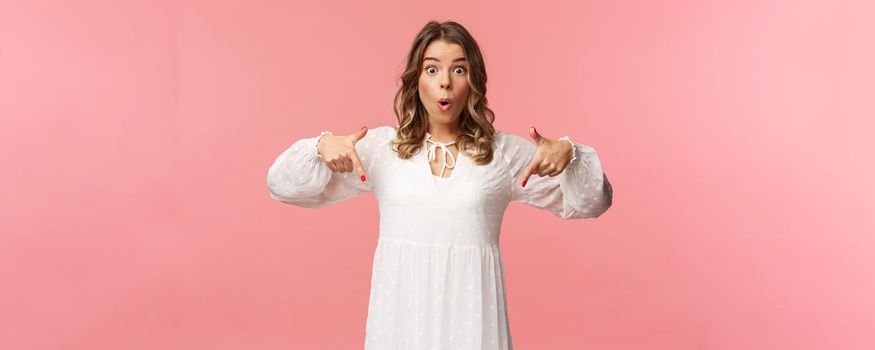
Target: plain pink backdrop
{"x":135,"y":139}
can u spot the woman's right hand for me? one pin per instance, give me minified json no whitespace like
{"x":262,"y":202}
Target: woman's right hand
{"x":338,"y":152}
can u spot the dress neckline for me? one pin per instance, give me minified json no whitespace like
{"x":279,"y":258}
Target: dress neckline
{"x":432,"y":147}
{"x":459,"y":166}
{"x":428,"y":136}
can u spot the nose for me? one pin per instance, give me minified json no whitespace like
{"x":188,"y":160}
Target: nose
{"x":445,"y":82}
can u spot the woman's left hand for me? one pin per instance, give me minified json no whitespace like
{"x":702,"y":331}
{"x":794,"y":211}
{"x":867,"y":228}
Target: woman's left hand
{"x":551,"y":158}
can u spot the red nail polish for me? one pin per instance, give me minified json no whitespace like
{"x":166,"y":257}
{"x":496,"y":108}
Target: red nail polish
{"x":524,"y":182}
{"x":363,"y":178}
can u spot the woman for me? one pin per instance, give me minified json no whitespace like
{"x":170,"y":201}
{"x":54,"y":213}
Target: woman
{"x":443,"y":178}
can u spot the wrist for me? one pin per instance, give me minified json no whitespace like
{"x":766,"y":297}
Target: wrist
{"x":318,"y":138}
{"x":572,"y":149}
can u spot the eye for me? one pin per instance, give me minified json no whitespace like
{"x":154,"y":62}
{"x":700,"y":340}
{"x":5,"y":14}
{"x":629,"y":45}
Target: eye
{"x":463,"y":70}
{"x":430,"y":68}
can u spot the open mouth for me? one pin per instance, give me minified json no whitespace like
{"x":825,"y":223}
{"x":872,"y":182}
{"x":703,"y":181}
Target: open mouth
{"x":444,"y":104}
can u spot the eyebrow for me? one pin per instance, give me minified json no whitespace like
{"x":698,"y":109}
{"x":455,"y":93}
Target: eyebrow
{"x":455,"y":60}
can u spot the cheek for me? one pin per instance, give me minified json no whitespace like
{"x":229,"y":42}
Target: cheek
{"x":462,"y":83}
{"x":464,"y":87}
{"x":425,"y":88}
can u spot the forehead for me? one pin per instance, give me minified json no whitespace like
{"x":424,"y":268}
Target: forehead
{"x":444,"y":51}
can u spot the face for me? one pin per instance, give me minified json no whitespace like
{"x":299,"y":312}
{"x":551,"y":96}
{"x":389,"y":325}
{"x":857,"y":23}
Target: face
{"x":444,"y":75}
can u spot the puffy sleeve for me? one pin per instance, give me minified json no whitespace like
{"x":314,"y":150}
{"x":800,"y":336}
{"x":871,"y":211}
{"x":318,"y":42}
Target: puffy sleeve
{"x":581,"y":191}
{"x":299,"y":177}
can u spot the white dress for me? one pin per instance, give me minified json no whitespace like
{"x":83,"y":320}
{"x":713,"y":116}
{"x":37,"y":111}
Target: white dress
{"x":438,"y":279}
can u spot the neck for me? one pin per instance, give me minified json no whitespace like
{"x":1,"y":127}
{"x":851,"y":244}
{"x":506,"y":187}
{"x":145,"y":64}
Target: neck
{"x":443,"y":133}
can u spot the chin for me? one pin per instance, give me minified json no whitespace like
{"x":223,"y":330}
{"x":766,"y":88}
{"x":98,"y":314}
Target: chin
{"x":446,"y":119}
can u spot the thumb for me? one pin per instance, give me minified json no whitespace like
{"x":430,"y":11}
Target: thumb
{"x":360,"y":134}
{"x":533,"y":133}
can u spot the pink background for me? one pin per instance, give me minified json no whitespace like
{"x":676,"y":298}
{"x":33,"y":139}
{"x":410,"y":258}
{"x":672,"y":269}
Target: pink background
{"x":135,"y":140}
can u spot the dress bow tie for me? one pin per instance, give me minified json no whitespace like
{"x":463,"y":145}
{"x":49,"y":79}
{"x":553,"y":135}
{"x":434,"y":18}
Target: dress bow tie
{"x":432,"y":154}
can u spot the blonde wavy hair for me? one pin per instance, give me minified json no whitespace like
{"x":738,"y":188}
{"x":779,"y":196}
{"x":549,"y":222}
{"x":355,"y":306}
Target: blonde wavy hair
{"x":476,"y":120}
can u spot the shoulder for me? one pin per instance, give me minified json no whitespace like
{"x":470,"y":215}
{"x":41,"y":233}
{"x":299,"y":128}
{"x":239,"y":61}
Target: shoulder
{"x":513,"y":148}
{"x":381,"y":133}
{"x":378,"y":138}
{"x":382,"y":129}
{"x":503,"y":139}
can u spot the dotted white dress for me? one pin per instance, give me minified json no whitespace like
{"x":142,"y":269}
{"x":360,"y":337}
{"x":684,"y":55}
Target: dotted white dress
{"x":438,"y":279}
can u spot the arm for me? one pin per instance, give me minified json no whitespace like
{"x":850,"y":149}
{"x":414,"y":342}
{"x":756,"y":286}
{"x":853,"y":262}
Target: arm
{"x":300,"y":177}
{"x":581,"y":191}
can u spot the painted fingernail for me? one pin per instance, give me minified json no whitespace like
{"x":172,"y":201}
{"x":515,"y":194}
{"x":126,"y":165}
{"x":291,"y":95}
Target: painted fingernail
{"x":363,"y":178}
{"x":524,"y":182}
